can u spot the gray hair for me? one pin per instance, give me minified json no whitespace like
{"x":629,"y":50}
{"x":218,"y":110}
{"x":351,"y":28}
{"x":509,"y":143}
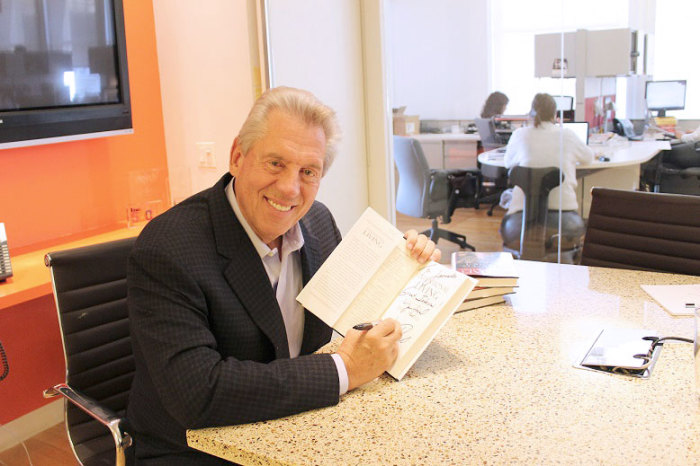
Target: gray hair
{"x":295,"y":102}
{"x":544,"y":108}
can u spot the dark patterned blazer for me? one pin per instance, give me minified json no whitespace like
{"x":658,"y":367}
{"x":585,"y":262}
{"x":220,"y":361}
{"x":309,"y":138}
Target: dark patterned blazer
{"x":209,"y":341}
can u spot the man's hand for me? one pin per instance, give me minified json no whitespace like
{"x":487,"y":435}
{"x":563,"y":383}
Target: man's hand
{"x":368,"y":353}
{"x":421,"y":247}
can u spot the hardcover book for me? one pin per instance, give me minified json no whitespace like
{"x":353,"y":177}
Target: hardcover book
{"x":491,"y":269}
{"x":470,"y":304}
{"x":485,"y":291}
{"x":370,"y":276}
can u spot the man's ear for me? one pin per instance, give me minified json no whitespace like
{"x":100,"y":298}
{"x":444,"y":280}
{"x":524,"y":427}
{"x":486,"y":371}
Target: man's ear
{"x":236,"y":158}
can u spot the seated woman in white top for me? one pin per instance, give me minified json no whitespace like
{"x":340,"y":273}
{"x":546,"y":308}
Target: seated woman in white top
{"x":691,"y":137}
{"x":546,"y":144}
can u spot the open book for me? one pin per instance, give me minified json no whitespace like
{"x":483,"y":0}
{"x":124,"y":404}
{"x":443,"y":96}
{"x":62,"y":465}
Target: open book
{"x":371,"y":276}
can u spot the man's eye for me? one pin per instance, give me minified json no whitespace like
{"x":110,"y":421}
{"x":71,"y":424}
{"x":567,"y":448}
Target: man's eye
{"x":308,"y":172}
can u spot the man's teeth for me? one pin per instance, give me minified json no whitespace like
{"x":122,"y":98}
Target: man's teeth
{"x":279,"y":206}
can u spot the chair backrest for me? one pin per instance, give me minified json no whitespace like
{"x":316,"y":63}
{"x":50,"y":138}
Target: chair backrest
{"x":90,"y":292}
{"x":487,"y":133}
{"x":414,"y":192}
{"x":643,"y":231}
{"x":683,"y":155}
{"x":536,"y":184}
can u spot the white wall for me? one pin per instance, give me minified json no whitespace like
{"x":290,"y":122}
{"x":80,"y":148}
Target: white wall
{"x":317,"y":45}
{"x":439,"y":57}
{"x":206,"y":84}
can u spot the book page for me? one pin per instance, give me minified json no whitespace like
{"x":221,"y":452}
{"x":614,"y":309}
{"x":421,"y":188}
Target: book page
{"x":353,"y":263}
{"x":422,"y":299}
{"x":381,"y":290}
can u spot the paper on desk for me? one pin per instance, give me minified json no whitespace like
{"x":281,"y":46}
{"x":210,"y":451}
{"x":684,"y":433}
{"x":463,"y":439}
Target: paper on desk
{"x":673,"y":298}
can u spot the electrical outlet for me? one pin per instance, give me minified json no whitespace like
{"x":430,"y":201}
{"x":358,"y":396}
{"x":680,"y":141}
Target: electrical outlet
{"x":205,"y":155}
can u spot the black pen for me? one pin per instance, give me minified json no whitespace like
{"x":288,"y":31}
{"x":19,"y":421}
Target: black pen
{"x":365,"y":325}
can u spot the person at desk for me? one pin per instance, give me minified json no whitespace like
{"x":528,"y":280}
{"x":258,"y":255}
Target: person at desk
{"x":542,"y":145}
{"x":494,"y":105}
{"x":218,"y":336}
{"x":691,"y":137}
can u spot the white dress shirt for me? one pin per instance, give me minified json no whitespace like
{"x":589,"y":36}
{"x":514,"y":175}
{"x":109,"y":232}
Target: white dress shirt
{"x":541,"y":147}
{"x":285,"y":274}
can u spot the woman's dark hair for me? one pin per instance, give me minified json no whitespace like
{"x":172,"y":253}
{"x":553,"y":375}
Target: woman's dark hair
{"x":495,"y":105}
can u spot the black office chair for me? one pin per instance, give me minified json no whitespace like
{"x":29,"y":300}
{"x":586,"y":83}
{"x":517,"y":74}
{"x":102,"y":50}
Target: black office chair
{"x":533,"y":234}
{"x":678,"y":170}
{"x":494,"y":180}
{"x":90,"y":291}
{"x":428,"y":193}
{"x":643,"y":231}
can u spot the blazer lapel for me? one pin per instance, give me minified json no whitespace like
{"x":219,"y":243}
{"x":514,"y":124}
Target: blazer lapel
{"x":245,"y":272}
{"x":316,"y":332}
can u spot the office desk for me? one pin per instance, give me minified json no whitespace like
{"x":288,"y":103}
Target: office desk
{"x":464,"y":153}
{"x":621,"y":172}
{"x":498,"y":386}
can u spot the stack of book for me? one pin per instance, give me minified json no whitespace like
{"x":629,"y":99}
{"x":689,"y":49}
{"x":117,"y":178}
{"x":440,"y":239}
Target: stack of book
{"x":495,"y":272}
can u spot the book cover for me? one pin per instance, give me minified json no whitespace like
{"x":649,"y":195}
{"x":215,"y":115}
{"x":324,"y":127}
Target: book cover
{"x":489,"y":268}
{"x":485,"y":291}
{"x":470,"y":304}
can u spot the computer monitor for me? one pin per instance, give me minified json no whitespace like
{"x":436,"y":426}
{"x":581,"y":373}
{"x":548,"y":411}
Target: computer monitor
{"x":564,"y":102}
{"x":665,"y":95}
{"x":580,"y":128}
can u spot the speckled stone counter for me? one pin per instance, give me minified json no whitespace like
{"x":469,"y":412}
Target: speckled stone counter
{"x":498,"y":386}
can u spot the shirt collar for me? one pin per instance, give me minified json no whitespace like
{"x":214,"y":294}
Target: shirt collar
{"x":292,"y":240}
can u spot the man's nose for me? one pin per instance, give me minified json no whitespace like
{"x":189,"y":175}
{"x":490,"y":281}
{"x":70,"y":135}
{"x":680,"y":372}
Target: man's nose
{"x":289,"y":182}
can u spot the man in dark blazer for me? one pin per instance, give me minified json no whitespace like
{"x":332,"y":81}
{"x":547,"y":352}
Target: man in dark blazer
{"x":217,"y":334}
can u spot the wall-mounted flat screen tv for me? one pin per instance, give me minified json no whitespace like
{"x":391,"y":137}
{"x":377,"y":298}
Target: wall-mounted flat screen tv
{"x":63,"y":71}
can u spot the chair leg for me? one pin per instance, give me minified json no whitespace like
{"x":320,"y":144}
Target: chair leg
{"x":435,"y":233}
{"x":490,"y":211}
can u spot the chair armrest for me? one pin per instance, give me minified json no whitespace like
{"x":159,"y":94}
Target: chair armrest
{"x":105,"y":416}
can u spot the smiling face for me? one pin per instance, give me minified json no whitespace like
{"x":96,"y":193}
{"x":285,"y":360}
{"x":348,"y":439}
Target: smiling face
{"x":277,"y":180}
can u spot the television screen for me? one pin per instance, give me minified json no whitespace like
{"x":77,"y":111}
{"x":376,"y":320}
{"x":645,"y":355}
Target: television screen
{"x":63,"y":70}
{"x":665,"y":95}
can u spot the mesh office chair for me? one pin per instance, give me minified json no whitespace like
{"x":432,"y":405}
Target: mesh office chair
{"x":533,"y":234}
{"x":643,"y":231}
{"x":487,"y":133}
{"x":427,"y":193}
{"x":90,"y":291}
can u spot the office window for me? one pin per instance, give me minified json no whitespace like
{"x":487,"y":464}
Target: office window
{"x":514,"y":24}
{"x":675,"y":50}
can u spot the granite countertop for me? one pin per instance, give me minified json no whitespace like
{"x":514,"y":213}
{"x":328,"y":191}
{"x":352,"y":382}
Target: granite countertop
{"x":498,"y":385}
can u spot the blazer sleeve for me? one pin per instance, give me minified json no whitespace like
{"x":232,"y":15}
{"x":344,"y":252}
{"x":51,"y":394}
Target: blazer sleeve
{"x":176,"y":348}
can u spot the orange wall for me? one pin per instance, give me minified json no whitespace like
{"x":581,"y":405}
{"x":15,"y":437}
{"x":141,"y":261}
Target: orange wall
{"x":72,"y":189}
{"x":51,"y":192}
